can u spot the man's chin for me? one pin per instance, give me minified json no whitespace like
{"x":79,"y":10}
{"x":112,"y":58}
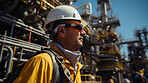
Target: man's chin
{"x":80,"y":45}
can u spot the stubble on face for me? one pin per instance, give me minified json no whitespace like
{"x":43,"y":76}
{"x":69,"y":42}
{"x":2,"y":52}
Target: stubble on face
{"x":74,"y":39}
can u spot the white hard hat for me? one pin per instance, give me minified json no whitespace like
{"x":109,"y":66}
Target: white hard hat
{"x":62,"y":12}
{"x":125,"y":80}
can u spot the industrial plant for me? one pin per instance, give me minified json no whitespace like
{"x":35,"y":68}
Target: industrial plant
{"x":22,"y":35}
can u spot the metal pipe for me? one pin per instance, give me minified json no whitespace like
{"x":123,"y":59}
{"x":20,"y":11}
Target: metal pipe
{"x":2,"y":46}
{"x":87,"y":11}
{"x":47,"y":3}
{"x":20,"y":43}
{"x":86,"y":4}
{"x":12,"y":29}
{"x":10,"y":59}
{"x":23,"y":26}
{"x":1,"y":54}
{"x":104,"y":11}
{"x":19,"y":60}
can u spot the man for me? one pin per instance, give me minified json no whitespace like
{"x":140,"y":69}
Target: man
{"x":136,"y":78}
{"x":64,"y":24}
{"x":144,"y":79}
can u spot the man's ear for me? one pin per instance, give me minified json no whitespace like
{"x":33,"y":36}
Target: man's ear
{"x":62,"y":31}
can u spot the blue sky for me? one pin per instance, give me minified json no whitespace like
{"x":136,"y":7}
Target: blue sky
{"x":133,"y":14}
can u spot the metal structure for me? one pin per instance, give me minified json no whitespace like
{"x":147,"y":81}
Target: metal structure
{"x":88,"y":78}
{"x":137,"y":53}
{"x":21,"y":32}
{"x":110,"y":57}
{"x":86,"y":12}
{"x":101,"y":54}
{"x":22,"y":35}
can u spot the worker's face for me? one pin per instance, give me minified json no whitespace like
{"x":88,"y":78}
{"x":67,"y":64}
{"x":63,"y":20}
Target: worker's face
{"x":74,"y":37}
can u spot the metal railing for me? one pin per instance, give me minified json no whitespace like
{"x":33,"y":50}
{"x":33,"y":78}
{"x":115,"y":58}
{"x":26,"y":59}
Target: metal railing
{"x":88,"y":78}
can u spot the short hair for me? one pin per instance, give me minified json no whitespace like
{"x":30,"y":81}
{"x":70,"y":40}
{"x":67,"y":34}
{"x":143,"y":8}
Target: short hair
{"x":55,"y":24}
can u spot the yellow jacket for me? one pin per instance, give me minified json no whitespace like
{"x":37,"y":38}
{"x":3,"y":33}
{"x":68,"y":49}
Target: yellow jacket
{"x":39,"y":69}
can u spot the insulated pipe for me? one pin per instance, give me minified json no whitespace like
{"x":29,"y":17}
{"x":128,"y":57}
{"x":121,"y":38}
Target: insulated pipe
{"x":86,"y":4}
{"x":87,"y":11}
{"x":104,"y":11}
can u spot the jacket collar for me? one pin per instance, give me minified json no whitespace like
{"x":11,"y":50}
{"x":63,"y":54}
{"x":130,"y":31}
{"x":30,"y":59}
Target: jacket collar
{"x":67,"y":63}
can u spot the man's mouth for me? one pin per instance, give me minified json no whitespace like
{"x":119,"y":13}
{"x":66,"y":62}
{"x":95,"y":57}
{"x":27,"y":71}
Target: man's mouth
{"x":81,"y":38}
